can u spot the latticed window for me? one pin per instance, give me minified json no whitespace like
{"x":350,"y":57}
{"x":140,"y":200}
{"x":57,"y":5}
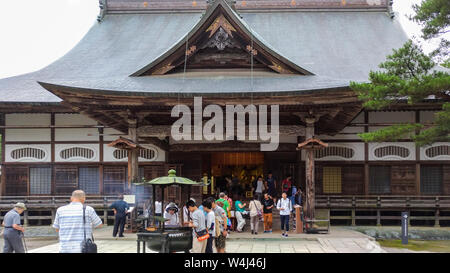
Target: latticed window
{"x":40,"y":180}
{"x":75,"y":152}
{"x":120,"y":154}
{"x":147,"y":153}
{"x":391,"y":151}
{"x":334,"y":151}
{"x":143,"y":153}
{"x":66,"y":179}
{"x":332,"y":180}
{"x":28,"y":153}
{"x":380,"y":179}
{"x":114,"y":179}
{"x":431,"y":179}
{"x":438,"y":151}
{"x":16,"y":181}
{"x":89,"y":179}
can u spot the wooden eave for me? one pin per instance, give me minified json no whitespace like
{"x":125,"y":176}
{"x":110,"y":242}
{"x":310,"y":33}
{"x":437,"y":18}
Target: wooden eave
{"x":336,"y":108}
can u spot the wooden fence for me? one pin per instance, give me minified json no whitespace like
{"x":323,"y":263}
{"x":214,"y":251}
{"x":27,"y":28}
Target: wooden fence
{"x":378,"y":204}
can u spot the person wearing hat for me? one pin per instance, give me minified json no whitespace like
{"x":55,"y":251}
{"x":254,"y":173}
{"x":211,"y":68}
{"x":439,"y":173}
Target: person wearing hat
{"x":171,"y":213}
{"x":13,"y":232}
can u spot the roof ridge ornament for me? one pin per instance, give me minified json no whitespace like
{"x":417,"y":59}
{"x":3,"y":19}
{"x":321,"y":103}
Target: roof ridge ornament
{"x":231,"y":3}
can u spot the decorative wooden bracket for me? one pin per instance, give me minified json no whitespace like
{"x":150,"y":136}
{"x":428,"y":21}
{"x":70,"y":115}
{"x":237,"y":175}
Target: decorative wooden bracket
{"x":312,"y":144}
{"x":125,"y":144}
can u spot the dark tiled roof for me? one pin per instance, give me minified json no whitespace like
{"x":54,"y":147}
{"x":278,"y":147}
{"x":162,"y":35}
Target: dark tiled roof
{"x":335,"y":46}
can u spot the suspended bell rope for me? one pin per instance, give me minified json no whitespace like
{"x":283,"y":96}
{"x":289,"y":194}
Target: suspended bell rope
{"x":184,"y":69}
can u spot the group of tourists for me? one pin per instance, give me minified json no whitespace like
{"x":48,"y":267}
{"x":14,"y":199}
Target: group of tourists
{"x":265,"y":199}
{"x":210,"y":220}
{"x":209,"y":226}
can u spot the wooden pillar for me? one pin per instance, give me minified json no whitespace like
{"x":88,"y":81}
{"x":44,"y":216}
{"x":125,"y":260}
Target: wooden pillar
{"x":366,"y":156}
{"x":437,"y":213}
{"x":25,"y":218}
{"x":133,"y":164}
{"x":418,"y":192}
{"x":309,"y":169}
{"x":105,"y":211}
{"x":53,"y":215}
{"x":2,"y":155}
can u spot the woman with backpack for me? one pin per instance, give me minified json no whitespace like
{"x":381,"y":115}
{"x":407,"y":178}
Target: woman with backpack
{"x":255,"y":214}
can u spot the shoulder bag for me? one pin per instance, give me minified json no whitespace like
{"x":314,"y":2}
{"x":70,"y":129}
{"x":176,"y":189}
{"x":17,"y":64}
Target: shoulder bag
{"x":87,"y":246}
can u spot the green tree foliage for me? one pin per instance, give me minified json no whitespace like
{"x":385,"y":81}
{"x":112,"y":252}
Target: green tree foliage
{"x":433,"y":16}
{"x":408,"y":74}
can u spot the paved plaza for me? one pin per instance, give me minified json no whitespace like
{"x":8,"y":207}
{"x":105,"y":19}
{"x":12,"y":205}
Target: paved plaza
{"x":339,"y":240}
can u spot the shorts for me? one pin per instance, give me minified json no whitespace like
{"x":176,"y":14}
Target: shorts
{"x":220,"y":241}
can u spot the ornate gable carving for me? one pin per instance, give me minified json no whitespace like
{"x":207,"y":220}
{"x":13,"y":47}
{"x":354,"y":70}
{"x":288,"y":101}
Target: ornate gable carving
{"x":220,"y":40}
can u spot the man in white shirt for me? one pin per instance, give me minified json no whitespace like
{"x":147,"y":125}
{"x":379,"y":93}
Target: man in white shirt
{"x":69,"y":223}
{"x":284,"y":205}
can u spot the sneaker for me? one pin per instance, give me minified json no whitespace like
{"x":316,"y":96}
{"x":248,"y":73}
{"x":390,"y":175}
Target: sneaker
{"x":253,"y":232}
{"x":256,"y":233}
{"x":282,"y":235}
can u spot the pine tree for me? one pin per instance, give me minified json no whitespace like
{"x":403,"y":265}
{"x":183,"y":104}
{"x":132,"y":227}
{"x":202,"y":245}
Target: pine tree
{"x":410,"y":74}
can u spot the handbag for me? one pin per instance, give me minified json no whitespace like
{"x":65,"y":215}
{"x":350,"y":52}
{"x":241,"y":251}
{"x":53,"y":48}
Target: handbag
{"x":258,"y":211}
{"x":87,"y":246}
{"x":201,"y":236}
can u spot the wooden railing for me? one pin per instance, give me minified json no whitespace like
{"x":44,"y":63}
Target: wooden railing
{"x":378,"y":204}
{"x":382,"y":202}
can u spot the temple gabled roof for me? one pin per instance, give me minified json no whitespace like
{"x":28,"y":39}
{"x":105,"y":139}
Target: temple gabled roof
{"x":337,"y":46}
{"x":222,"y":28}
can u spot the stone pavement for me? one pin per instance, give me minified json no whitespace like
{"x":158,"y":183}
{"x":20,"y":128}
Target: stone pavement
{"x":339,"y":240}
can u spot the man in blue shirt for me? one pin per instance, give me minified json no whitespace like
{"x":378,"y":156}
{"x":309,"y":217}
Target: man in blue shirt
{"x":120,"y":208}
{"x":13,"y":230}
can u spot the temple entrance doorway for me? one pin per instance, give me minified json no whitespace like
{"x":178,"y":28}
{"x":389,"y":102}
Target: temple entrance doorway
{"x":234,"y":172}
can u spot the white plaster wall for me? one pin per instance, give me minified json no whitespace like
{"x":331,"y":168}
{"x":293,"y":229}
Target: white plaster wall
{"x":76,"y":134}
{"x":108,"y":154}
{"x":409,"y":145}
{"x":392,"y":117}
{"x":427,"y":116}
{"x":73,"y":119}
{"x":346,"y":130}
{"x":60,"y":147}
{"x":28,"y":119}
{"x":357,"y":147}
{"x":359,"y":118}
{"x":423,"y":155}
{"x":45,"y":147}
{"x":112,"y":134}
{"x":27,"y":134}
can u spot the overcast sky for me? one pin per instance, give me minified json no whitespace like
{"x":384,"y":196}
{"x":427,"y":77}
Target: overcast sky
{"x":34,"y":33}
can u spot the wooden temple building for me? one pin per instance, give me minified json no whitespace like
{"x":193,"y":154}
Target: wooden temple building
{"x":100,"y":118}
